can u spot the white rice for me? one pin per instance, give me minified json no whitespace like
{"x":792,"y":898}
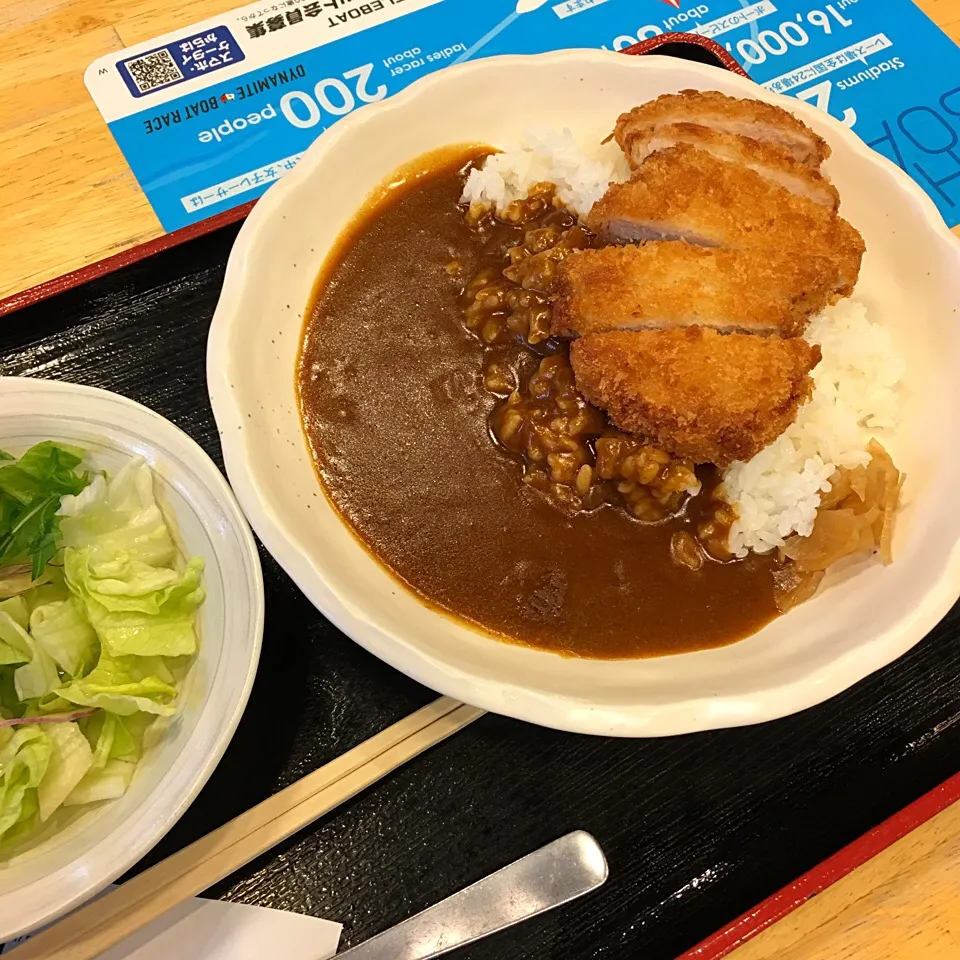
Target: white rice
{"x":777,"y":493}
{"x":581,"y":174}
{"x":855,"y":398}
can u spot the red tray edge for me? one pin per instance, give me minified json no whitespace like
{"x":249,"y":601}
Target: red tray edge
{"x":100,"y":268}
{"x":779,"y":904}
{"x":826,"y":873}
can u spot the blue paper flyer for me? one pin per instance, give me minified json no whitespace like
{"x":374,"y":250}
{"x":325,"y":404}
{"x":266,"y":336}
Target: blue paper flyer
{"x":209,"y":116}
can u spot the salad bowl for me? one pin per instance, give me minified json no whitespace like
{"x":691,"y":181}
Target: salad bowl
{"x":84,"y":848}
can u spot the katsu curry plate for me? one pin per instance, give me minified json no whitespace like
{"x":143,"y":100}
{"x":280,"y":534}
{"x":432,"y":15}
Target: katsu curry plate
{"x":627,"y":410}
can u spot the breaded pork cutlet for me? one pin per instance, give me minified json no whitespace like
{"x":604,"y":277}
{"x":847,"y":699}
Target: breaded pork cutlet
{"x":688,"y":194}
{"x":695,"y":392}
{"x":741,"y":117}
{"x":674,"y":284}
{"x":639,"y":141}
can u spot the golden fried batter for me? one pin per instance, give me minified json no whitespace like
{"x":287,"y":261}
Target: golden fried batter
{"x":746,"y":118}
{"x":694,"y":392}
{"x":675,"y":284}
{"x":638,"y":140}
{"x":683,"y":193}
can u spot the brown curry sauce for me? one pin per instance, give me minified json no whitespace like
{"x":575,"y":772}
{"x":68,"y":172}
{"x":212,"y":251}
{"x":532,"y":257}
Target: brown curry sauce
{"x":398,"y":418}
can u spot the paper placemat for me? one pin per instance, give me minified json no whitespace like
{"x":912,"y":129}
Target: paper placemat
{"x":210,"y":115}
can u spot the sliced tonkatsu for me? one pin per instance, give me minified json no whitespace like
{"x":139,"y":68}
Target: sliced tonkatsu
{"x":741,"y":117}
{"x":777,"y":165}
{"x":696,"y":393}
{"x":683,"y":193}
{"x":660,"y":285}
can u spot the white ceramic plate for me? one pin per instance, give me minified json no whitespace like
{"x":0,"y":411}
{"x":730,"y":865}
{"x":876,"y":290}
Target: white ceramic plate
{"x":910,"y":280}
{"x":104,"y":840}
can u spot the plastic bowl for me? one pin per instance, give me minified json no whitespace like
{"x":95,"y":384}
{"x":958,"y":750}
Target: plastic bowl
{"x":98,"y":844}
{"x":910,"y":282}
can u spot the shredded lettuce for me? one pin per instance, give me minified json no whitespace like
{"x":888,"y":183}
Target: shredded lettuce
{"x":61,"y":630}
{"x":123,"y":685}
{"x":119,"y":518}
{"x":38,"y":676}
{"x":136,"y":608}
{"x":14,"y":647}
{"x":93,"y":641}
{"x":70,"y":759}
{"x":24,"y":758}
{"x":107,"y":783}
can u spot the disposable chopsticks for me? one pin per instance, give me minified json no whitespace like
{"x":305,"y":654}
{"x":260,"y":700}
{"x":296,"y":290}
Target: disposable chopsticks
{"x":95,"y":928}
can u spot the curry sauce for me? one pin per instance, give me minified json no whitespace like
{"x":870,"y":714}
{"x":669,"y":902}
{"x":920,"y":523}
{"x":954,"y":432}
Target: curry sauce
{"x":401,"y":413}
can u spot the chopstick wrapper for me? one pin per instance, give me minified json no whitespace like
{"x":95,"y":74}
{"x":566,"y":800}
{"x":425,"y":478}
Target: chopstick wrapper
{"x":201,"y":929}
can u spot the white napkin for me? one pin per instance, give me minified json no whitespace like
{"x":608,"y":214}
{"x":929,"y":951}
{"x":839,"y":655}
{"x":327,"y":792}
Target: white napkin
{"x":217,"y":930}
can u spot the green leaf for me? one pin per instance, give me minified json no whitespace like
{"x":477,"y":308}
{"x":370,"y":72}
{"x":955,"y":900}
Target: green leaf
{"x":15,"y":644}
{"x":137,"y":609}
{"x":99,"y":731}
{"x":122,"y":685}
{"x":48,"y":589}
{"x":26,"y":825}
{"x":63,"y":632}
{"x":38,"y":678}
{"x":19,"y":486}
{"x":24,"y":757}
{"x":51,"y":703}
{"x":53,"y":465}
{"x":113,"y":737}
{"x":128,"y":736}
{"x":16,"y":608}
{"x":46,"y":468}
{"x":8,"y":512}
{"x":106,"y":783}
{"x":31,"y":489}
{"x":33,"y":525}
{"x":9,"y":655}
{"x":120,"y":518}
{"x":70,"y":759}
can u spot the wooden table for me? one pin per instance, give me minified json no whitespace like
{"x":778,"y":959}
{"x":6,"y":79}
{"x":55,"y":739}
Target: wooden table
{"x":69,"y":199}
{"x":904,"y":904}
{"x":892,"y":894}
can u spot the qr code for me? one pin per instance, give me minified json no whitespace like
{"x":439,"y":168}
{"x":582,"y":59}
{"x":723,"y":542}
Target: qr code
{"x":155,"y":70}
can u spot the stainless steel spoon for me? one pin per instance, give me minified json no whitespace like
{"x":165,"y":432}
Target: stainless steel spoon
{"x":547,"y":878}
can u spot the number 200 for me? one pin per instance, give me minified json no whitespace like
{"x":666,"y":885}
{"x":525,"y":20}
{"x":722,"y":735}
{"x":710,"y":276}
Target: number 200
{"x":331,"y":95}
